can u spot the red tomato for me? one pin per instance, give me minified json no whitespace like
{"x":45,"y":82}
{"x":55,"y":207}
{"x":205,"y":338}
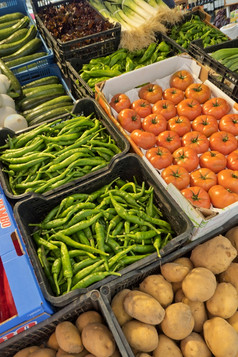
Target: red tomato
{"x":175,"y":95}
{"x":199,"y":91}
{"x":142,"y":107}
{"x":181,"y":79}
{"x":204,"y":178}
{"x":213,"y":160}
{"x":169,"y":139}
{"x":129,"y":119}
{"x":151,"y":92}
{"x":154,"y":123}
{"x":197,"y":196}
{"x":143,"y":139}
{"x":159,"y":157}
{"x":165,"y":108}
{"x":206,"y":124}
{"x":120,"y":101}
{"x":186,"y":157}
{"x":177,"y":175}
{"x":232,"y":160}
{"x":228,"y":179}
{"x":223,"y":142}
{"x":222,"y":197}
{"x":218,"y":107}
{"x":180,"y":124}
{"x":190,"y":108}
{"x":196,"y":141}
{"x":229,"y":123}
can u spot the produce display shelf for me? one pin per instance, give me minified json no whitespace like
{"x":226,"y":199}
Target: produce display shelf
{"x":221,"y":76}
{"x":39,"y":334}
{"x":80,"y":88}
{"x":104,"y":42}
{"x":85,"y":106}
{"x":129,"y":167}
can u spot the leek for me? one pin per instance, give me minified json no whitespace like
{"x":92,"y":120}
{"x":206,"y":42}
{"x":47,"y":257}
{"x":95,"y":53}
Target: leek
{"x":140,"y":7}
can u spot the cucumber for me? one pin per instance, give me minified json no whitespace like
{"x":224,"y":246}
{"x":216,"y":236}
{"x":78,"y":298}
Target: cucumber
{"x":10,"y":48}
{"x":41,"y":82}
{"x":41,"y":89}
{"x":59,"y":100}
{"x":16,"y":36}
{"x":22,"y":23}
{"x":36,"y":113}
{"x":25,"y":59}
{"x":29,"y":48}
{"x":5,"y":25}
{"x":46,"y":92}
{"x":31,"y":103}
{"x":10,"y":17}
{"x":15,"y":87}
{"x":54,"y":113}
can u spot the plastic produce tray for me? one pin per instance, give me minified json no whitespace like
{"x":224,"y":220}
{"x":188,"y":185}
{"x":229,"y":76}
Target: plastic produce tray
{"x":34,"y":209}
{"x":40,"y":333}
{"x":133,"y":279}
{"x":10,"y":6}
{"x":63,"y":51}
{"x":80,"y":88}
{"x":85,"y":106}
{"x":220,"y":75}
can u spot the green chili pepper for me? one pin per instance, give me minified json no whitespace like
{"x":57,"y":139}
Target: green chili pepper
{"x":148,"y":53}
{"x":55,"y":270}
{"x":93,"y":278}
{"x":66,"y":263}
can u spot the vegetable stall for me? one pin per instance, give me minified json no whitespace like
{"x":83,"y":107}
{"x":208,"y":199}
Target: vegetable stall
{"x":118,"y":181}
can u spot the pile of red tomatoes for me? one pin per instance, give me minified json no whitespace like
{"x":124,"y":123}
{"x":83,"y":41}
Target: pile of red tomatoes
{"x":188,"y":135}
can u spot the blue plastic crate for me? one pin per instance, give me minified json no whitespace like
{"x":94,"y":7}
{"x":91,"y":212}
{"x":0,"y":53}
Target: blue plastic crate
{"x":10,"y":6}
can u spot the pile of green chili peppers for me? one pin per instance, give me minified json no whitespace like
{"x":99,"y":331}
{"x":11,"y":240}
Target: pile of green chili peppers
{"x":121,"y":61}
{"x":195,"y":29}
{"x":56,"y":153}
{"x":89,"y":236}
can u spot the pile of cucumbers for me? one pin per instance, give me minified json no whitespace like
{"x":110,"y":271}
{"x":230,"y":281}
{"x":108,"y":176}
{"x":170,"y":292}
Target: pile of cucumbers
{"x":18,"y":40}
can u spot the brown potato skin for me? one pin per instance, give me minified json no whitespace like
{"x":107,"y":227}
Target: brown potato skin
{"x":216,"y":254}
{"x":143,"y":307}
{"x":43,"y":352}
{"x":156,"y":286}
{"x":233,"y":321}
{"x":194,"y":346}
{"x":167,"y":347}
{"x":199,"y":284}
{"x":184,"y":261}
{"x":140,"y":336}
{"x":230,"y":275}
{"x":221,"y":338}
{"x":118,"y":307}
{"x":25,"y":352}
{"x":52,"y":342}
{"x":98,"y":340}
{"x":179,"y":295}
{"x":232,"y":235}
{"x":178,"y":322}
{"x":173,"y":272}
{"x":86,"y":318}
{"x":68,"y":337}
{"x":199,"y":313}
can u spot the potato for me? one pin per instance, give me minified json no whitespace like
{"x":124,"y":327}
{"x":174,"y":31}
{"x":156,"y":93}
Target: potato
{"x":173,"y":272}
{"x":52,"y":342}
{"x":199,"y":284}
{"x":221,"y":338}
{"x":179,"y":295}
{"x":68,"y":337}
{"x":194,"y":346}
{"x":142,"y":354}
{"x":215,"y":254}
{"x":159,"y":288}
{"x":143,"y":307}
{"x":167,"y":347}
{"x":232,"y":235}
{"x":184,"y":261}
{"x":98,"y":340}
{"x":178,"y":322}
{"x":43,"y":352}
{"x":62,"y":353}
{"x":140,"y":336}
{"x":199,"y":313}
{"x":86,"y":318}
{"x":233,"y":321}
{"x":25,"y":352}
{"x":224,"y":302}
{"x":118,"y":307}
{"x":176,"y":286}
{"x":230,"y":275}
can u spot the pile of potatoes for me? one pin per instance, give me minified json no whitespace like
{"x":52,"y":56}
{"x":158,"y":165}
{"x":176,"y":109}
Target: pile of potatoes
{"x":87,"y":337}
{"x":189,"y":308}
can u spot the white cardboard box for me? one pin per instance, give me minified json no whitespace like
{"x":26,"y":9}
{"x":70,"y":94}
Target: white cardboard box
{"x":160,"y":72}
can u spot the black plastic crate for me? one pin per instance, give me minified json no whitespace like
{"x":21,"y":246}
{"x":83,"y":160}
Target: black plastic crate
{"x":40,"y":333}
{"x":133,"y":279}
{"x":80,"y":88}
{"x":84,"y":106}
{"x":220,"y":75}
{"x":99,"y":44}
{"x":35,"y":208}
